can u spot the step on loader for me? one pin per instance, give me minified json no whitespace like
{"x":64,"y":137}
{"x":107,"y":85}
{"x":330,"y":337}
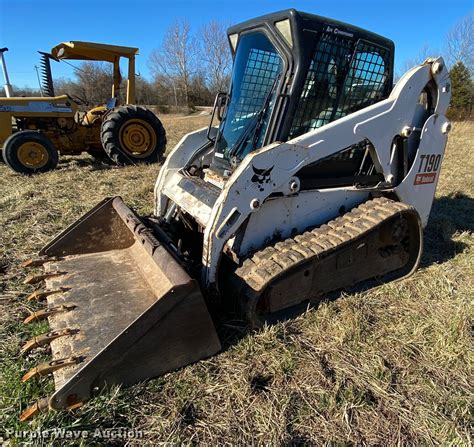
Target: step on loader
{"x":319,"y":176}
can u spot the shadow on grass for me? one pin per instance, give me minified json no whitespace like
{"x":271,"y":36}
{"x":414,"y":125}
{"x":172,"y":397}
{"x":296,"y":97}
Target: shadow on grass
{"x":449,"y":215}
{"x":93,"y":163}
{"x":97,"y":163}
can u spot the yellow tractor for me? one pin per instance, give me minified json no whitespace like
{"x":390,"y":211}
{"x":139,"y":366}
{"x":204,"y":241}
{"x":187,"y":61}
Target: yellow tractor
{"x":33,"y":130}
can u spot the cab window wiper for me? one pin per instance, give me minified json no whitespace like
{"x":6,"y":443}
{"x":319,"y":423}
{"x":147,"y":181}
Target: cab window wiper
{"x":252,"y":129}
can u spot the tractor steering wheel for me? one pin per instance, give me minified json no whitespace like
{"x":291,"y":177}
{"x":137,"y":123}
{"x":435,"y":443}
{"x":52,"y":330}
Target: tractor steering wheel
{"x":77,"y":99}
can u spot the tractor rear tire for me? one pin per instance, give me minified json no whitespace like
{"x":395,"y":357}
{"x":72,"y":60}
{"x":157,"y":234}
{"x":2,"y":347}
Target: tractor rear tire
{"x":29,"y":152}
{"x":132,"y":134}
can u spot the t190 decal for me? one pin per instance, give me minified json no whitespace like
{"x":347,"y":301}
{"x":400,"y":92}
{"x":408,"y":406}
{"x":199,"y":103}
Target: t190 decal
{"x":428,"y":168}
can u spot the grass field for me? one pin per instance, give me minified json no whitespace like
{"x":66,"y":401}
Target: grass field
{"x":390,"y":366}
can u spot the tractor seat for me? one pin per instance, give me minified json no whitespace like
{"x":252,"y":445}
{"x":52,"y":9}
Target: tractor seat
{"x":93,"y":116}
{"x":324,"y":117}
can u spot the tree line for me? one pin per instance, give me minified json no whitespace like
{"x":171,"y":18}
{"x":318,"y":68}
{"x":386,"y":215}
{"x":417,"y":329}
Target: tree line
{"x":190,"y":67}
{"x":458,"y":53}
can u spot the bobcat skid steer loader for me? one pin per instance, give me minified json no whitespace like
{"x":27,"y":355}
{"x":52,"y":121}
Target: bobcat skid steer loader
{"x":319,"y":176}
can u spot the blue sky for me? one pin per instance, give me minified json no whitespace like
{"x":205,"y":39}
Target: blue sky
{"x":30,"y":25}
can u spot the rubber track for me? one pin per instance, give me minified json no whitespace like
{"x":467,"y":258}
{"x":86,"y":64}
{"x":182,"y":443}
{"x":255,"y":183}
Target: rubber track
{"x":273,"y":261}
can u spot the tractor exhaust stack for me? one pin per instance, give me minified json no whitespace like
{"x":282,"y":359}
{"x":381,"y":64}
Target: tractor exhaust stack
{"x":7,"y":86}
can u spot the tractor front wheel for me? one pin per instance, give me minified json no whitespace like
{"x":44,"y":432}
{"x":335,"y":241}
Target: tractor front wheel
{"x":29,"y":152}
{"x":133,"y":134}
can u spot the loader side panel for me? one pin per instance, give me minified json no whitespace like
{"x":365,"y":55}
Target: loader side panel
{"x":419,"y":186}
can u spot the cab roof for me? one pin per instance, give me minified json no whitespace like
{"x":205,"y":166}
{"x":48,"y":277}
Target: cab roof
{"x":303,"y":20}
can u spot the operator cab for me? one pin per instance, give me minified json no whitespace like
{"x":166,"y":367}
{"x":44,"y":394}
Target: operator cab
{"x":294,"y":72}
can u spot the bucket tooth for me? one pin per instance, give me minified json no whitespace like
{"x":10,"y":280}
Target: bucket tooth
{"x":39,"y":406}
{"x":45,"y":313}
{"x":35,"y":279}
{"x":38,"y":262}
{"x":42,"y":405}
{"x":44,"y":339}
{"x":42,"y":294}
{"x":43,"y":369}
{"x":73,"y":406}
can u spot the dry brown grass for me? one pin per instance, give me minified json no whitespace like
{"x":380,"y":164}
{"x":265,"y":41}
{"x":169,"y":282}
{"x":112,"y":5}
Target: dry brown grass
{"x":390,"y":366}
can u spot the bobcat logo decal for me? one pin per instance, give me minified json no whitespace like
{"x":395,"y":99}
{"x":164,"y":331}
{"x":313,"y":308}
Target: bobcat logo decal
{"x":261,"y":176}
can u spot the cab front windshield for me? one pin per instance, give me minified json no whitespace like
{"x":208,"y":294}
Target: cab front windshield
{"x":257,"y":68}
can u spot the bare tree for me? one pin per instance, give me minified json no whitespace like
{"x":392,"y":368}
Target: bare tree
{"x":460,"y":43}
{"x":147,"y":93}
{"x":92,"y":83}
{"x":22,"y":91}
{"x":176,"y":58}
{"x":422,"y":55}
{"x":216,"y":55}
{"x":170,"y":86}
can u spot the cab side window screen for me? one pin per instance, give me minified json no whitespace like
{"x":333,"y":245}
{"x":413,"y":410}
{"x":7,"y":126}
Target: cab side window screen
{"x":366,"y":78}
{"x":344,"y":76}
{"x":316,"y":105}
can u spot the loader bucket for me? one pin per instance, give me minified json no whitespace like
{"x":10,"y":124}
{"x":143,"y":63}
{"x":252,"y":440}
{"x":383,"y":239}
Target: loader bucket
{"x":120,"y":306}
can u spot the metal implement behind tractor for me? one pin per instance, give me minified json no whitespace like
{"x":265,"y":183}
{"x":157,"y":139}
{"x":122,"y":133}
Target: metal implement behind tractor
{"x":320,"y":176}
{"x":33,"y":130}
